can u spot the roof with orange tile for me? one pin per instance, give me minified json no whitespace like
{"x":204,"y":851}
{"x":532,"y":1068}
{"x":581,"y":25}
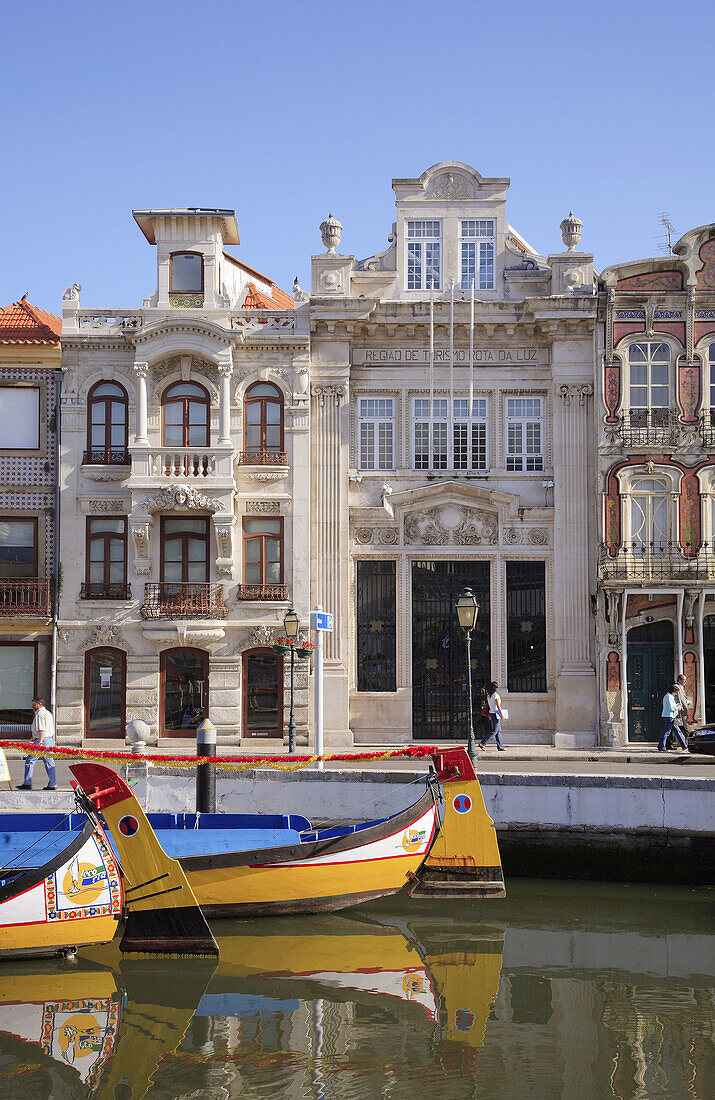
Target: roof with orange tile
{"x":278,"y":300}
{"x":23,"y":323}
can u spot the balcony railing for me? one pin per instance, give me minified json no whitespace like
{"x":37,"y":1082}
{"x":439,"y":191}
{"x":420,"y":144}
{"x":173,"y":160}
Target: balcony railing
{"x":707,"y":428}
{"x":648,"y":427}
{"x":183,"y":600}
{"x":29,"y":598}
{"x":263,"y":591}
{"x":106,"y":458}
{"x":263,"y":458}
{"x":100,"y":590}
{"x":194,"y":463}
{"x":656,"y":561}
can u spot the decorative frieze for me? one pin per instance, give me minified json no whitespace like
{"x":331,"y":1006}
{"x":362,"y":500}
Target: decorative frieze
{"x":263,"y":507}
{"x":450,"y":524}
{"x":181,"y":498}
{"x":113,"y":506}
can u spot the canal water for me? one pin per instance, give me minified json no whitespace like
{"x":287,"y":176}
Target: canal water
{"x":576,"y":991}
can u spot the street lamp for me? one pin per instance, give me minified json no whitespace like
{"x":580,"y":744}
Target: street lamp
{"x":291,"y":623}
{"x":467,"y":611}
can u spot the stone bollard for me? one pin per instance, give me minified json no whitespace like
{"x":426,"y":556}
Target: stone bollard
{"x":138,"y":733}
{"x":206,"y":773}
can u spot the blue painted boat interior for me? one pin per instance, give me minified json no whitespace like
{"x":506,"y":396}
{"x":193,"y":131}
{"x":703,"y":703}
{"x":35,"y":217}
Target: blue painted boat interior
{"x":28,"y":840}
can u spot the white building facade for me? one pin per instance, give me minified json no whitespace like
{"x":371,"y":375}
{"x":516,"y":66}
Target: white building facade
{"x":184,"y":496}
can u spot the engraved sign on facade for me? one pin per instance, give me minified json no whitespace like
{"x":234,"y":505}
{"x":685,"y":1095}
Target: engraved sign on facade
{"x":481,"y":356}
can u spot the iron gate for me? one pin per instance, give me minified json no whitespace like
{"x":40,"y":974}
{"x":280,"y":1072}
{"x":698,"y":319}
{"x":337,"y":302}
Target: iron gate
{"x":439,"y":689}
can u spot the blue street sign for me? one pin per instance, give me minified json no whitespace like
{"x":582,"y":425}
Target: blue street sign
{"x":321,"y":620}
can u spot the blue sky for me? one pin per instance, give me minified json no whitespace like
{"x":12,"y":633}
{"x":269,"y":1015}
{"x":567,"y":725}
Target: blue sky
{"x":287,"y":111}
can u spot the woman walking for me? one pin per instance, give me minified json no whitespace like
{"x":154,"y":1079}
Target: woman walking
{"x":495,"y":717}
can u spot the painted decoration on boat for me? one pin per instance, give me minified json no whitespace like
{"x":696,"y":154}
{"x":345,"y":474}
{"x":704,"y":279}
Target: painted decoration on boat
{"x":84,"y":888}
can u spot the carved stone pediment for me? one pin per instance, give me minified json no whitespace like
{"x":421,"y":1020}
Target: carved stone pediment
{"x":451,"y":525}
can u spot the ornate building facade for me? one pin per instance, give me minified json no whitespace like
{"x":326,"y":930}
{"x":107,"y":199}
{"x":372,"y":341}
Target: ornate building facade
{"x":185,"y":467}
{"x":29,"y":388}
{"x":656,"y":479}
{"x":452,"y":444}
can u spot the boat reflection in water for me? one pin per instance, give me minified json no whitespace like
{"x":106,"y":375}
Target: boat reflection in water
{"x":578,"y":993}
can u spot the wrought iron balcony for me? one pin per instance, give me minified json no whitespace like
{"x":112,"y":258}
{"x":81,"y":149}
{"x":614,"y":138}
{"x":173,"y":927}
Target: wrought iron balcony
{"x":263,"y":458}
{"x":648,"y":428}
{"x":263,"y":591}
{"x":101,"y":590}
{"x":656,"y":561}
{"x":31,"y":598}
{"x":102,"y":457}
{"x":183,"y":600}
{"x":707,"y":428}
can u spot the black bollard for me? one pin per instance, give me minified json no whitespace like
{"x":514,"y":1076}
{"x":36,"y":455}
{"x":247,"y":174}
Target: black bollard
{"x":206,"y":773}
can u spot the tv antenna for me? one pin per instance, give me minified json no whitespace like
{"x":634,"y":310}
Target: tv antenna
{"x":667,"y":238}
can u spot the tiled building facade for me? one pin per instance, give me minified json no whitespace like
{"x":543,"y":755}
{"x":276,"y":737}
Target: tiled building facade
{"x":29,"y":388}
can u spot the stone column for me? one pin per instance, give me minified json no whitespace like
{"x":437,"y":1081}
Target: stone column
{"x":140,"y":436}
{"x":575,"y":706}
{"x":225,"y":369}
{"x":330,"y":554}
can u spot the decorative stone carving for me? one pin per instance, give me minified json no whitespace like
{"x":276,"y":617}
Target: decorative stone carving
{"x":141,"y":536}
{"x":580,"y":391}
{"x":330,"y":231}
{"x":272,"y":473}
{"x":261,"y":326}
{"x":259,"y":636}
{"x":451,"y":524}
{"x":389,"y":536}
{"x":538,"y":536}
{"x":105,"y":506}
{"x":331,"y":282}
{"x":67,"y":636}
{"x":299,"y":295}
{"x":105,"y":473}
{"x":224,"y":541}
{"x":322,"y":392}
{"x":512,"y":537}
{"x":450,"y":186}
{"x":263,"y":507}
{"x":364,"y":535}
{"x":187,"y":366}
{"x":571,"y":231}
{"x":183,"y":498}
{"x":72,"y":293}
{"x":105,"y":633}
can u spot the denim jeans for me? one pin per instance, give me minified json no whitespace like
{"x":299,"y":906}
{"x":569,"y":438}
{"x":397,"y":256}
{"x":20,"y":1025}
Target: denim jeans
{"x":668,"y":728}
{"x":49,"y":763}
{"x":495,"y":730}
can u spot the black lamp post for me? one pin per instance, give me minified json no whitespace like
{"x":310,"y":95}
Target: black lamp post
{"x":467,"y":611}
{"x":291,"y":624}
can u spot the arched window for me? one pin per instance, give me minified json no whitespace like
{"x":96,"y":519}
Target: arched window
{"x":185,"y":407}
{"x":107,"y":424}
{"x":711,"y":379}
{"x":262,"y":693}
{"x":105,"y":674}
{"x":184,"y":691}
{"x":187,"y":273}
{"x":649,"y":518}
{"x":263,"y":423}
{"x":649,"y":383}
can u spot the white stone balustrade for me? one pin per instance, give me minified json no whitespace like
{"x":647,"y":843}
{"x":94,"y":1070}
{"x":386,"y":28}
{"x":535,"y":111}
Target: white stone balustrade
{"x":179,"y":463}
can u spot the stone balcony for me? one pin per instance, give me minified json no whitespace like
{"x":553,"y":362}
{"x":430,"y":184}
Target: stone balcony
{"x":29,"y":598}
{"x":656,"y":563}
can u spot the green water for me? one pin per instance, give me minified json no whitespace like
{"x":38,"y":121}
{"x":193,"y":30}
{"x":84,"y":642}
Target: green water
{"x":576,"y":991}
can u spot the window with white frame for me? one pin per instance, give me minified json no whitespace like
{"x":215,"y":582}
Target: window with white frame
{"x":649,"y":382}
{"x":477,"y":241}
{"x":376,"y":433}
{"x":453,"y":453}
{"x":424,"y":255}
{"x":524,"y":434}
{"x":19,"y":418}
{"x":649,"y":507}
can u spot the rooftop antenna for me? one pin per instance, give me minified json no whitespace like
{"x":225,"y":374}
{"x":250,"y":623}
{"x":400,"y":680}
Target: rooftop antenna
{"x":666,"y":241}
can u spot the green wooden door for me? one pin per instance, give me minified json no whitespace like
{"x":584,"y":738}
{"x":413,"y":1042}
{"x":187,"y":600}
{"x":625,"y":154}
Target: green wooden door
{"x":650,"y":674}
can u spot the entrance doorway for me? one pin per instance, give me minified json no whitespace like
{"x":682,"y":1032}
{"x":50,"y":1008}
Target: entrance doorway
{"x":709,"y":655}
{"x":262,"y":693}
{"x":439,"y":689}
{"x":650,"y":674}
{"x":184,"y":691}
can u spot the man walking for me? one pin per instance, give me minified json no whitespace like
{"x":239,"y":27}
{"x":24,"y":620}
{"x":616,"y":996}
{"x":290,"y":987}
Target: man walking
{"x":43,"y":732}
{"x":671,"y":708}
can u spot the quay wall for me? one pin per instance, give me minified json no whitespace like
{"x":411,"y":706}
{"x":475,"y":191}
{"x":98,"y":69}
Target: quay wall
{"x":620,"y":828}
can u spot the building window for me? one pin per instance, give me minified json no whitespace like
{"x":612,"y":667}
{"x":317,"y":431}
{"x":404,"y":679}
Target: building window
{"x":19,"y":418}
{"x":477,"y":241}
{"x":455,"y":453}
{"x":106,"y":569}
{"x":184,"y":677}
{"x":376,"y":626}
{"x":712,"y":383}
{"x":524,"y":434}
{"x":18,"y":686}
{"x":106,"y":423}
{"x":263,"y":421}
{"x":105,"y":674}
{"x":424,"y":255}
{"x":187,"y":272}
{"x":262,"y":693}
{"x":262,"y":551}
{"x":649,"y":383}
{"x":648,"y":498}
{"x":377,"y":433}
{"x":186,"y":415}
{"x":184,"y":550}
{"x":526,"y":626}
{"x":18,"y":548}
